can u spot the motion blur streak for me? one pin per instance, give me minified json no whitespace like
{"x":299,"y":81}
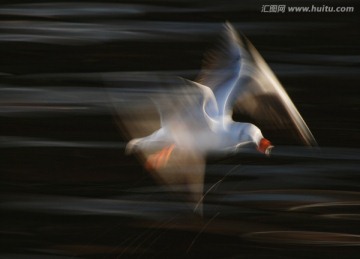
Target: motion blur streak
{"x":306,"y":238}
{"x":67,"y":190}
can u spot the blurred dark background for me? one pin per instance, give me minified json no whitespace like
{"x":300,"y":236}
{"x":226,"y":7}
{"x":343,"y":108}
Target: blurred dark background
{"x":68,"y":190}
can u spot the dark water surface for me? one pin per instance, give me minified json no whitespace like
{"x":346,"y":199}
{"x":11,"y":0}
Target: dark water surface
{"x":68,"y":190}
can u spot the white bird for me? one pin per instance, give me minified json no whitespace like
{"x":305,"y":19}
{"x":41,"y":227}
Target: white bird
{"x":193,"y":126}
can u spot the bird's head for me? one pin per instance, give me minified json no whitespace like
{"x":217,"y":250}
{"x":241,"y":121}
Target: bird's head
{"x":251,"y":133}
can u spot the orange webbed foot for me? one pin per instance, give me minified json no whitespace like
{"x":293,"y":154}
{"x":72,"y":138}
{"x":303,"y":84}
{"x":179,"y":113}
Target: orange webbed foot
{"x":159,"y":159}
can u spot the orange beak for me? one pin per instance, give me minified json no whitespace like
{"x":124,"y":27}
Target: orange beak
{"x":265,"y":146}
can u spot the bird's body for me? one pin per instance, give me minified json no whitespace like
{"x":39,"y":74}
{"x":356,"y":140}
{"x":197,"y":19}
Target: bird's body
{"x":201,"y":138}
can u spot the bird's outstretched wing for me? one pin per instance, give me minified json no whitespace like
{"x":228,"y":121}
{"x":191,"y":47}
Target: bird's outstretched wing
{"x":221,"y":69}
{"x":242,"y":81}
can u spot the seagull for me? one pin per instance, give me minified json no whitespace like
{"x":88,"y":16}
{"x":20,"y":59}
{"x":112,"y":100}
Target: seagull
{"x":200,"y":121}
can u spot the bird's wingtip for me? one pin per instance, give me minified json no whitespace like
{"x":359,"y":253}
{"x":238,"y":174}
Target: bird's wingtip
{"x":227,"y":24}
{"x":229,"y":27}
